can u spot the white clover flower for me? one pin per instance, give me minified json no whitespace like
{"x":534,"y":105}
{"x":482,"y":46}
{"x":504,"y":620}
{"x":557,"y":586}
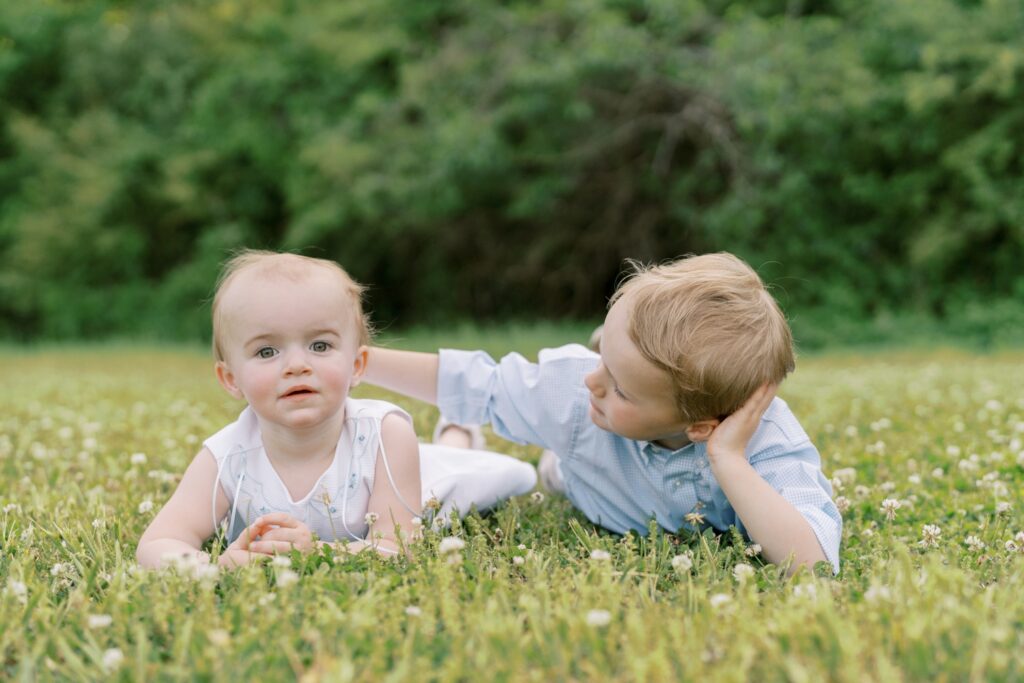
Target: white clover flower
{"x":17,"y":589}
{"x":112,"y":659}
{"x":281,"y":561}
{"x":861,"y":491}
{"x":938,"y":473}
{"x":413,"y":611}
{"x":877,"y":593}
{"x":914,"y":479}
{"x":205,"y":572}
{"x":138,"y":459}
{"x":682,"y":563}
{"x":930,"y":535}
{"x":846,"y":475}
{"x":842,"y":504}
{"x":371,"y":518}
{"x":889,"y":507}
{"x":887,"y":486}
{"x":521,"y":546}
{"x":1003,"y":508}
{"x":752,"y":550}
{"x":56,"y":569}
{"x":1010,"y":546}
{"x":974,"y":544}
{"x":96,"y":621}
{"x":12,"y":507}
{"x":600,"y":555}
{"x":953,"y":451}
{"x":518,"y":560}
{"x":98,"y":524}
{"x":537,"y":497}
{"x":719,"y":600}
{"x":286,"y":578}
{"x":598,"y":618}
{"x":1019,"y":538}
{"x":417,"y":523}
{"x":867,"y":532}
{"x":742,"y":572}
{"x":219,"y":637}
{"x":145,"y":506}
{"x":450,"y":544}
{"x":806,"y":590}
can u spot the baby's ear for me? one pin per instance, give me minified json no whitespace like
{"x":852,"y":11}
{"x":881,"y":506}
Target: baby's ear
{"x":359,"y":365}
{"x":227,"y":379}
{"x":701,"y":431}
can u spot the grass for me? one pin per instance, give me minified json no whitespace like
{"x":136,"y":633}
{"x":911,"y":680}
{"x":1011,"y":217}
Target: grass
{"x":92,"y":436}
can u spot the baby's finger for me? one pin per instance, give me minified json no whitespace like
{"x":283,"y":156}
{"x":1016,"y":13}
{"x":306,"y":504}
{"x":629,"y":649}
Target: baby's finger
{"x":272,"y":547}
{"x":278,"y":519}
{"x":282,"y":534}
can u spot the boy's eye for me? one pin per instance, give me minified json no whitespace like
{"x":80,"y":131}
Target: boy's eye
{"x":266,"y":352}
{"x":618,"y":392}
{"x":319,"y":346}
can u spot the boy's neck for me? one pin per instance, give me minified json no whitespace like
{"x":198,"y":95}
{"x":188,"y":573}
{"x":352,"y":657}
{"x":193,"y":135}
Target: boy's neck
{"x":673,"y":443}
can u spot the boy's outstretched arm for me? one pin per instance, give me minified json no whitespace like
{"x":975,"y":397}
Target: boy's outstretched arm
{"x":407,"y":372}
{"x":771,"y":520}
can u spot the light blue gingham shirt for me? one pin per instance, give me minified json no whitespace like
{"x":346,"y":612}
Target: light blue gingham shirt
{"x":620,"y":483}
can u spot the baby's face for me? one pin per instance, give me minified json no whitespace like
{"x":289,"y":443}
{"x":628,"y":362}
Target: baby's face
{"x":290,"y":347}
{"x":629,"y":395}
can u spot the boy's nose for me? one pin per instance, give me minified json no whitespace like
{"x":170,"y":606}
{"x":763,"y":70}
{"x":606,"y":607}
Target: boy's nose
{"x":593,"y":382}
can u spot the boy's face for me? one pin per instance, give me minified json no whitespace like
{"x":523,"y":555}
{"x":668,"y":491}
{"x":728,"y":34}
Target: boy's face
{"x":631,"y":396}
{"x":290,"y":350}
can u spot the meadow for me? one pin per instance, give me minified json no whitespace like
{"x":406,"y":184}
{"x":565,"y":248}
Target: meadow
{"x":925,"y":449}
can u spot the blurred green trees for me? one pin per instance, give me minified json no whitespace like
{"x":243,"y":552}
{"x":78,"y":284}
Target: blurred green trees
{"x":500,"y":159}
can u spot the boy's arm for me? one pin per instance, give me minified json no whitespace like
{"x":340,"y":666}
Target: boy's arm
{"x":770,"y":520}
{"x":407,"y":372}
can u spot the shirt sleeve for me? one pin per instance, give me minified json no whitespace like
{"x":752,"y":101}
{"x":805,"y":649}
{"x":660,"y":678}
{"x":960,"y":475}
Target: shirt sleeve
{"x":536,"y":403}
{"x":797,"y":476}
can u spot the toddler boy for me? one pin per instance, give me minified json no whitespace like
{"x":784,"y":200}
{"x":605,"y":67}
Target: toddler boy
{"x":676,"y":419}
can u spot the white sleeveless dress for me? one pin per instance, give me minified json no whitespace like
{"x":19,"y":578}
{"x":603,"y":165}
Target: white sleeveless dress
{"x":335,"y":507}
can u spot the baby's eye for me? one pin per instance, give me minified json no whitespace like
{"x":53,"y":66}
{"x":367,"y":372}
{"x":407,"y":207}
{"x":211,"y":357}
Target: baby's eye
{"x":618,"y":392}
{"x":320,"y":346}
{"x":266,"y":352}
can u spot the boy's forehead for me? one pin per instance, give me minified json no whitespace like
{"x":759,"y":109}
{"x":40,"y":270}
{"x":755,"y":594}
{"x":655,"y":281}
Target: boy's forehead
{"x":622,"y":358}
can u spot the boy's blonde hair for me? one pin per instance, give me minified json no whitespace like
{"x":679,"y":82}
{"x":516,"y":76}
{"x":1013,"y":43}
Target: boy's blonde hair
{"x":291,"y":266}
{"x":709,"y":322}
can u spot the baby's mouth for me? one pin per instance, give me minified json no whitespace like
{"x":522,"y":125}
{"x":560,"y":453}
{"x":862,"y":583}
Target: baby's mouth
{"x":298,"y":391}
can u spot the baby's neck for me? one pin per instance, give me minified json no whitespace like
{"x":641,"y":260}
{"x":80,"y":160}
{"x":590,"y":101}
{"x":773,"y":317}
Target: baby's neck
{"x":288,"y":445}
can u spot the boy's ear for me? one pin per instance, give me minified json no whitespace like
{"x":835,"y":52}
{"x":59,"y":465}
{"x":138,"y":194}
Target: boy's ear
{"x":359,"y":365}
{"x":701,"y":431}
{"x":227,"y":379}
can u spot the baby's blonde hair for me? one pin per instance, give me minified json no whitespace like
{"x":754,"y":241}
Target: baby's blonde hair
{"x":709,"y":322}
{"x":291,"y":266}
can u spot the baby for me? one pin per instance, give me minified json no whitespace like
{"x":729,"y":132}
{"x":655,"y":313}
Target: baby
{"x":305,"y":463}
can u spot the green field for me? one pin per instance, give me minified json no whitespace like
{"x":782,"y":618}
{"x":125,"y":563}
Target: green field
{"x":94,"y":440}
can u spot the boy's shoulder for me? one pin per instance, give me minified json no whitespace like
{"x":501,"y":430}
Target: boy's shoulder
{"x":568,"y":353}
{"x":780,"y":431}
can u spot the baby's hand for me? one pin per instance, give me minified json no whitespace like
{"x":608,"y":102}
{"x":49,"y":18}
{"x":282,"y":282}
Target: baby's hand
{"x":281,"y":533}
{"x":241,"y":552}
{"x":730,"y":438}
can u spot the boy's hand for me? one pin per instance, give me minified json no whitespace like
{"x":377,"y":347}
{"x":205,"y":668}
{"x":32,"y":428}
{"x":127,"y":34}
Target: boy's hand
{"x":282,"y":533}
{"x":729,"y":439}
